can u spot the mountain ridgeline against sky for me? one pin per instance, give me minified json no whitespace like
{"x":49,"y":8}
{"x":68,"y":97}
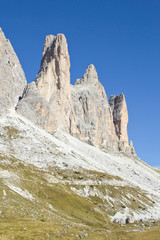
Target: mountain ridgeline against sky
{"x":65,"y":156}
{"x":52,"y":103}
{"x":12,"y":78}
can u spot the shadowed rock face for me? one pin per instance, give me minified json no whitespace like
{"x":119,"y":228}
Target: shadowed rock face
{"x":12,"y":78}
{"x":120,"y":119}
{"x":120,"y":116}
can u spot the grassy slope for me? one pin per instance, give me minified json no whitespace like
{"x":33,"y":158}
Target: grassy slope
{"x":27,"y":229}
{"x":56,"y":211}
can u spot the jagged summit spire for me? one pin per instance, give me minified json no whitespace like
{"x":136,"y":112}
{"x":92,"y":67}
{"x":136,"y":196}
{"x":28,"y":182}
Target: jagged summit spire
{"x":50,"y":41}
{"x":81,"y":110}
{"x":53,"y":82}
{"x":90,"y":76}
{"x":91,"y":70}
{"x":55,"y":47}
{"x":91,"y":67}
{"x":54,"y":74}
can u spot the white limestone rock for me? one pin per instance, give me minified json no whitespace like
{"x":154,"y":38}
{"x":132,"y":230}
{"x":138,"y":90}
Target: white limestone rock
{"x":120,"y":116}
{"x":53,"y":81}
{"x":35,"y":108}
{"x":93,"y":113}
{"x":12,"y":78}
{"x":81,"y":110}
{"x":120,"y":119}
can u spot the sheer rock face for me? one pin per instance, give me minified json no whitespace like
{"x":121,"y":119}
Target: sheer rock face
{"x":54,"y":75}
{"x":47,"y":101}
{"x":34,"y":107}
{"x":93,"y":113}
{"x":12,"y":78}
{"x":82,"y":110}
{"x":120,"y":119}
{"x":120,"y":116}
{"x":53,"y":81}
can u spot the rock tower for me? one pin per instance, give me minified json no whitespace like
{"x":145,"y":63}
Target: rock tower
{"x":52,"y":103}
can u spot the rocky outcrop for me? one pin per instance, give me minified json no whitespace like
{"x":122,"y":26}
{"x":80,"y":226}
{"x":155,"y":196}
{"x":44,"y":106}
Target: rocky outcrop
{"x":12,"y":78}
{"x":34,"y":107}
{"x":53,"y":81}
{"x":81,"y":109}
{"x":48,"y":100}
{"x":93,"y":113}
{"x":120,"y":118}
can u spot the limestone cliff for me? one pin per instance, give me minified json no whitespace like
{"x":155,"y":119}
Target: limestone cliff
{"x":34,"y":107}
{"x":53,"y":81}
{"x":12,"y":78}
{"x":120,"y":117}
{"x":48,"y":99}
{"x":93,"y":113}
{"x":81,"y":109}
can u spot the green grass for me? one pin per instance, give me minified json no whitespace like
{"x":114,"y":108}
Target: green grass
{"x":13,"y":228}
{"x":11,"y":132}
{"x":56,"y":206}
{"x":69,"y":205}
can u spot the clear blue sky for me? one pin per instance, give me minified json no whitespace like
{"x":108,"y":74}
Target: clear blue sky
{"x":120,"y":37}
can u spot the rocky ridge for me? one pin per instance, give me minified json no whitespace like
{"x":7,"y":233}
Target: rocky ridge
{"x":49,"y":176}
{"x":52,"y":103}
{"x":12,"y":78}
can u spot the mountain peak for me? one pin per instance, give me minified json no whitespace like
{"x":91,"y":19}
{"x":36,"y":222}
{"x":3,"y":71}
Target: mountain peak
{"x":90,"y":76}
{"x":53,"y":80}
{"x":91,"y":67}
{"x":81,"y":110}
{"x":50,"y":40}
{"x":12,"y":78}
